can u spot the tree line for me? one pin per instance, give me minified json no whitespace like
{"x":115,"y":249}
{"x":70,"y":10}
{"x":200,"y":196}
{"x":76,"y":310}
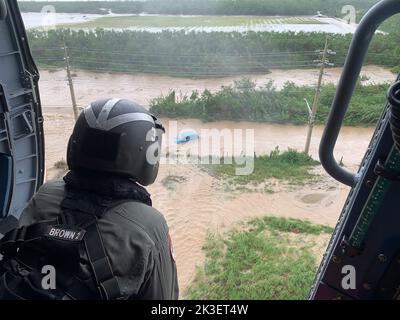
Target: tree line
{"x":194,"y":54}
{"x":204,"y":7}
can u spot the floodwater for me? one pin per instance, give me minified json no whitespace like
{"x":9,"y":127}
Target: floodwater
{"x":46,"y":20}
{"x":195,"y":203}
{"x":351,"y":145}
{"x":199,"y":203}
{"x":49,"y":18}
{"x":142,"y":88}
{"x":327,"y":25}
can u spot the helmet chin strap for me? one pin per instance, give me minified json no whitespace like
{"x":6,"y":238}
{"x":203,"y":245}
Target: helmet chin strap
{"x":133,"y":180}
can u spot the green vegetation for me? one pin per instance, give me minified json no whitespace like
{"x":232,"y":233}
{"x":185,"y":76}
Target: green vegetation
{"x":171,"y":181}
{"x":291,"y":166}
{"x":191,"y":54}
{"x":244,"y":101}
{"x":391,"y":25}
{"x":189,"y":21}
{"x":292,"y":225}
{"x":204,"y":7}
{"x":268,"y":259}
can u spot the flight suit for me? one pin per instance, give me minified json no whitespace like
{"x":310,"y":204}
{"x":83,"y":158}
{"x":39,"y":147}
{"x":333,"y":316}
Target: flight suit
{"x":135,"y":237}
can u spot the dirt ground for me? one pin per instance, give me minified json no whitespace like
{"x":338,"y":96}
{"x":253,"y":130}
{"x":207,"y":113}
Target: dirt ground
{"x":193,"y":201}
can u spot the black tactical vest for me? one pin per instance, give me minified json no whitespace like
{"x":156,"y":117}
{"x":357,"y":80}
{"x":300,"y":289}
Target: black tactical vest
{"x":61,"y":243}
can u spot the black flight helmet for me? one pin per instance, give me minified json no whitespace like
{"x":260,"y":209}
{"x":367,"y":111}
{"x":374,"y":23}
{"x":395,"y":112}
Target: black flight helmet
{"x":117,"y":136}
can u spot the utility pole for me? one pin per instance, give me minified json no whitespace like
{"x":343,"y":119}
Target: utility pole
{"x":70,"y":83}
{"x":323,"y":63}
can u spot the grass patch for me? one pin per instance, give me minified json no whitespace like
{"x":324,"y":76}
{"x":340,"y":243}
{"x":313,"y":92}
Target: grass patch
{"x":189,"y":21}
{"x":291,"y":225}
{"x":258,"y":263}
{"x":291,"y":166}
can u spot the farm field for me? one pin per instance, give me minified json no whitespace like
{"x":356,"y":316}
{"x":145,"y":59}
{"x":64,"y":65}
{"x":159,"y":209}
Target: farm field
{"x":165,"y":21}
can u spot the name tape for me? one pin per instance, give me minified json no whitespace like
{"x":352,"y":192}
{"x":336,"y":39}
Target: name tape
{"x":67,"y":234}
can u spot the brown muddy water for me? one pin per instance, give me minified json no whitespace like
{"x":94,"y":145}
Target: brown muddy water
{"x":351,"y":145}
{"x":195,"y":203}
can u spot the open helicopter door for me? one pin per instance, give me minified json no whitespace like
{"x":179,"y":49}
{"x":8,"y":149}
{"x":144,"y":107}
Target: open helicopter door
{"x":21,"y":128}
{"x":363,"y":258}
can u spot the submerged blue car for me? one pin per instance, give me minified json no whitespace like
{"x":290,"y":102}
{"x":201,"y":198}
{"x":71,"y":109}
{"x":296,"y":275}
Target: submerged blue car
{"x":187,"y":136}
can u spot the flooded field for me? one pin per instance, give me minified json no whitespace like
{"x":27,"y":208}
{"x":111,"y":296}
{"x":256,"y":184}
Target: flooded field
{"x":159,"y":23}
{"x":274,"y":24}
{"x":51,"y":19}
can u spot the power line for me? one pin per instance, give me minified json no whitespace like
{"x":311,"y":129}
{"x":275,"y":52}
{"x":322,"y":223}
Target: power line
{"x":193,"y":66}
{"x":179,"y":64}
{"x":161,"y":54}
{"x":191,"y":55}
{"x":219,"y":55}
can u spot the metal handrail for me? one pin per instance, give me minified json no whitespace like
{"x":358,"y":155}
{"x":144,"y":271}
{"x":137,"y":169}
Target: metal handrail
{"x":351,"y":71}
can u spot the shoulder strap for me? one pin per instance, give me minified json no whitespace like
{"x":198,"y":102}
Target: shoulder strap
{"x":104,"y":276}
